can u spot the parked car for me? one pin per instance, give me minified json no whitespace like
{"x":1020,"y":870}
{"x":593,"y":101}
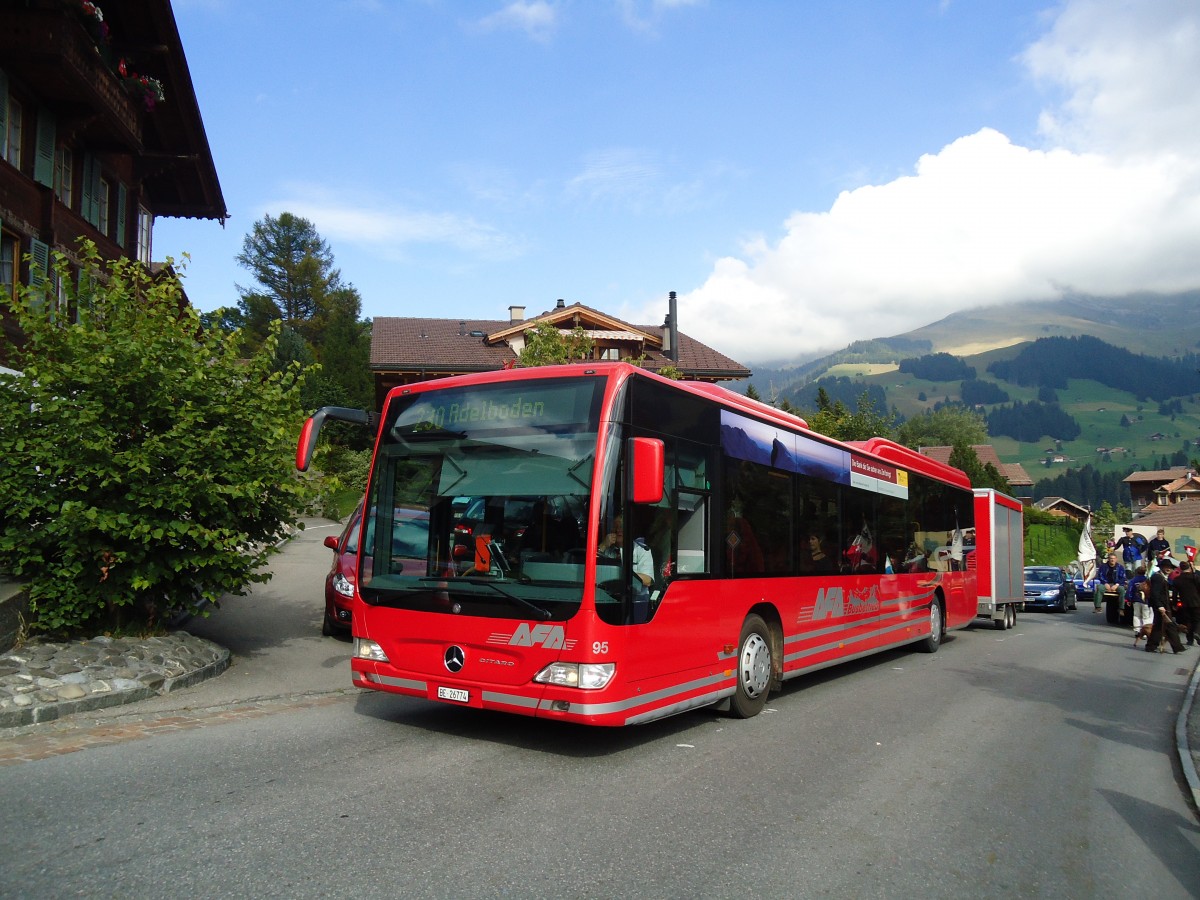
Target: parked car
{"x":1049,"y":587}
{"x":339,"y":583}
{"x":410,"y":548}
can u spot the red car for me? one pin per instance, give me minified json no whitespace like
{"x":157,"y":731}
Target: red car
{"x":339,"y":583}
{"x":410,"y":548}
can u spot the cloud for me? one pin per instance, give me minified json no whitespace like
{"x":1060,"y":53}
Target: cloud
{"x":1110,"y":205}
{"x":644,"y":15}
{"x":394,"y":229}
{"x":536,"y":18}
{"x":615,"y":175}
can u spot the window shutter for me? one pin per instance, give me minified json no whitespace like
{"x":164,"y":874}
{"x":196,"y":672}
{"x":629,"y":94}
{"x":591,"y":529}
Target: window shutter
{"x":43,"y":160}
{"x":122,"y":204}
{"x":90,"y":202}
{"x":3,"y":114}
{"x":39,"y":271}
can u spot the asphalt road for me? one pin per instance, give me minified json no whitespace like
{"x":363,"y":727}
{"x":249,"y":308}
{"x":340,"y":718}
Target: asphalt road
{"x":1033,"y":762}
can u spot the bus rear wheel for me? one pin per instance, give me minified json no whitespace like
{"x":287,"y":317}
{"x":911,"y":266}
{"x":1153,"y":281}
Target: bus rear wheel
{"x":754,"y":669}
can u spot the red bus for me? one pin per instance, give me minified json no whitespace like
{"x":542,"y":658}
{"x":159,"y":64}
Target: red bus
{"x":598,"y":544}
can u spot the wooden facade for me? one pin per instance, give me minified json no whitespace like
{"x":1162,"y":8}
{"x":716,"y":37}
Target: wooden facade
{"x":100,"y":133}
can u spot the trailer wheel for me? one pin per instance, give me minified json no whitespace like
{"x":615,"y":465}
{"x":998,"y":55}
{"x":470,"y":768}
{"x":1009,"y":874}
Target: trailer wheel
{"x":930,"y":644}
{"x":1012,"y":615}
{"x":754,"y":669}
{"x":1002,"y":623}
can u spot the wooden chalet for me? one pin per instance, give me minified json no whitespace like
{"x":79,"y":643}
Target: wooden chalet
{"x":100,"y":133}
{"x":1064,"y":508}
{"x":407,"y":350}
{"x":1143,"y":486}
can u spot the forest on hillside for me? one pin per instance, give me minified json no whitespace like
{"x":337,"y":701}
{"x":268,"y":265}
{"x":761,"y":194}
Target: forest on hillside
{"x":1050,"y":362}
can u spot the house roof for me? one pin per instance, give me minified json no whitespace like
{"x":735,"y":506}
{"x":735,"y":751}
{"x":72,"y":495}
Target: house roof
{"x":1048,"y":503}
{"x":477,"y":345}
{"x":1156,"y":475}
{"x":1014,"y":472}
{"x":1177,"y":515}
{"x":1188,"y":482}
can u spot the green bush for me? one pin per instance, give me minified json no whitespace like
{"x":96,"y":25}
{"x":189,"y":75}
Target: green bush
{"x":145,"y":464}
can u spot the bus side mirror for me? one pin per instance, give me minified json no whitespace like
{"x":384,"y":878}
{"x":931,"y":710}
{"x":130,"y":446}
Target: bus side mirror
{"x":646,"y":462}
{"x":312,"y":428}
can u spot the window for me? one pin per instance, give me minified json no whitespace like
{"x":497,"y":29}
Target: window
{"x":613,"y":353}
{"x":64,"y":164}
{"x":9,"y":257}
{"x":145,"y":224}
{"x":11,"y":148}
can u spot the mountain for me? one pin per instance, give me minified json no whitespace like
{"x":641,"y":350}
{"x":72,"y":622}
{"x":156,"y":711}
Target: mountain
{"x":1133,"y":420}
{"x":1153,"y":324}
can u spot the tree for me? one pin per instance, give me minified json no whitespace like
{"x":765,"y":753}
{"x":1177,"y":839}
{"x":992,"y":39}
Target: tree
{"x":548,"y":345}
{"x":944,"y":427}
{"x":293,"y":266}
{"x":144,"y":462}
{"x":835,"y":419}
{"x":299,"y":286}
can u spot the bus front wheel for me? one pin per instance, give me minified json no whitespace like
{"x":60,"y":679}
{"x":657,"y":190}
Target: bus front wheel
{"x":931,"y":643}
{"x":754,"y":669}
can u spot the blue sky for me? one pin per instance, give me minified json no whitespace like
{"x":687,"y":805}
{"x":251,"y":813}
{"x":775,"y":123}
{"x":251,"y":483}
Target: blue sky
{"x":803,"y":173}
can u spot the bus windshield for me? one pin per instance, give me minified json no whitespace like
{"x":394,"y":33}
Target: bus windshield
{"x":477,"y":503}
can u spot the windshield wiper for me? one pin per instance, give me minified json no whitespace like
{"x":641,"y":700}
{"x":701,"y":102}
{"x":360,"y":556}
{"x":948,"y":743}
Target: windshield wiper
{"x":491,"y":583}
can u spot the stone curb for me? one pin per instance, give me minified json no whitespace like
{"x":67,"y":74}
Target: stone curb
{"x":1187,"y":753}
{"x":151,"y":680}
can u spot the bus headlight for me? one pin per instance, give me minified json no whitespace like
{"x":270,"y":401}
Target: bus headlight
{"x":587,"y":676}
{"x":364,"y":649}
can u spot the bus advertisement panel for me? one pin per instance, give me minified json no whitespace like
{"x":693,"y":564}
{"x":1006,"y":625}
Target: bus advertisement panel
{"x":605,"y":546}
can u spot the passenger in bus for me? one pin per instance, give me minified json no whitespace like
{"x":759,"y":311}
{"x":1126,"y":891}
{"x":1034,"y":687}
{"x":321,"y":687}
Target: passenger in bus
{"x":814,"y":559}
{"x":743,"y":555}
{"x":915,"y":559}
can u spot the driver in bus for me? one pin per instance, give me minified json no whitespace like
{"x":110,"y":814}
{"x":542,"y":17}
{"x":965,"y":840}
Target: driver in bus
{"x":643,"y":560}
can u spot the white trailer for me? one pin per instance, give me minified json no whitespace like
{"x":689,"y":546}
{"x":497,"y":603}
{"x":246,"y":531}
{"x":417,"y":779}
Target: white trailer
{"x":999,"y":558}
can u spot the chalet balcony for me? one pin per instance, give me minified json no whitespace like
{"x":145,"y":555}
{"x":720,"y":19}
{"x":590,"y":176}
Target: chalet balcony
{"x":49,"y":50}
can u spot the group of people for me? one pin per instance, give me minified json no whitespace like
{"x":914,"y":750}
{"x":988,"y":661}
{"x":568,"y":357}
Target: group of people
{"x":1164,"y":596}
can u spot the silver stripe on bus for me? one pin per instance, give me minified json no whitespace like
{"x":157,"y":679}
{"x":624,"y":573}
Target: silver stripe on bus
{"x":408,"y":683}
{"x":509,"y":699}
{"x":870,"y":635}
{"x":601,"y":709}
{"x":683,"y":706}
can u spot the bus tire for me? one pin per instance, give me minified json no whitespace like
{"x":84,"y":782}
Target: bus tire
{"x":755,"y":669}
{"x":931,"y":643}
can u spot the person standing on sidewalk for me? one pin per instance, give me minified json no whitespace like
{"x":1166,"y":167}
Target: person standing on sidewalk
{"x":1143,"y":615}
{"x":1160,"y":600}
{"x":1187,"y":593}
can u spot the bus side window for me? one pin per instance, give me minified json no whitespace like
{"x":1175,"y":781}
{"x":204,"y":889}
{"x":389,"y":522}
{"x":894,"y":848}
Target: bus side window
{"x":692,"y":534}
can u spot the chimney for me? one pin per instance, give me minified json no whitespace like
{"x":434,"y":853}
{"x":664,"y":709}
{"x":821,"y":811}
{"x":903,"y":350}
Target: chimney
{"x":672,"y":329}
{"x":462,"y":327}
{"x":516,"y":314}
{"x":561,"y":304}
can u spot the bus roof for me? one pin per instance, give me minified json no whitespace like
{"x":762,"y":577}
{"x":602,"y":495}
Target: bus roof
{"x":881,"y":448}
